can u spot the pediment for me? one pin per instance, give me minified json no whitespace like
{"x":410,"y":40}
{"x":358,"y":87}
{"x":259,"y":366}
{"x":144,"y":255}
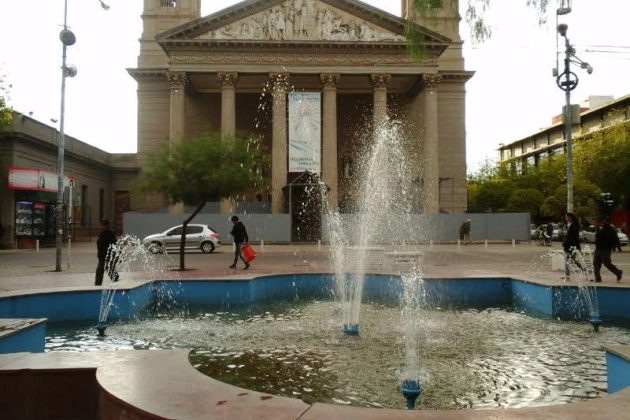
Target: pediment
{"x":298,"y":21}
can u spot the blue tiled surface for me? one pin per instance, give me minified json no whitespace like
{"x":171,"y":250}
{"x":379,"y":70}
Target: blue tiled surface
{"x":30,"y":340}
{"x":562,"y":302}
{"x":618,"y":372}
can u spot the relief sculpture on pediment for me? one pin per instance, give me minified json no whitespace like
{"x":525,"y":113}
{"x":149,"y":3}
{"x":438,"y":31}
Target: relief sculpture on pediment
{"x":303,"y":20}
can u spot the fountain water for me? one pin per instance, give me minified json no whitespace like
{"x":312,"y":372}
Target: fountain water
{"x":382,"y":192}
{"x":584,"y":275}
{"x":411,"y":303}
{"x":123,"y":257}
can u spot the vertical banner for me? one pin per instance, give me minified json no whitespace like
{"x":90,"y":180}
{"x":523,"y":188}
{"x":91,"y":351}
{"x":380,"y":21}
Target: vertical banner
{"x":305,"y":130}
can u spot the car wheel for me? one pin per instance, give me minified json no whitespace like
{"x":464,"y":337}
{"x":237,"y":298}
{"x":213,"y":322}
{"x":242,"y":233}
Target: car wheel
{"x":207,"y":247}
{"x":156,"y":248}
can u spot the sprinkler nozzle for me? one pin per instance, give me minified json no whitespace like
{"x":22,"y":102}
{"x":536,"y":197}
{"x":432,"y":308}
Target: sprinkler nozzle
{"x":351,"y":329}
{"x":595,"y":320}
{"x":411,"y":390}
{"x":101,"y":327}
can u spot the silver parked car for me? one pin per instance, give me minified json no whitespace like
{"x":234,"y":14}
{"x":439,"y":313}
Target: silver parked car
{"x":588,"y":236}
{"x":201,"y":237}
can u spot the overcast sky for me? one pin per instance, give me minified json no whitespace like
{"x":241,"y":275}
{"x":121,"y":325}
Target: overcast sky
{"x":511,"y":95}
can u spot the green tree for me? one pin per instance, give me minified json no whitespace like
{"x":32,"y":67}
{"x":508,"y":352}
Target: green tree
{"x":6,"y":113}
{"x":526,"y":200}
{"x":492,"y":195}
{"x":585,"y":198}
{"x":603,"y":158}
{"x":487,"y":170}
{"x":208,"y":167}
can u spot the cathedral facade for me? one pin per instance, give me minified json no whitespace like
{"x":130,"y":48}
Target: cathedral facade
{"x":310,"y":78}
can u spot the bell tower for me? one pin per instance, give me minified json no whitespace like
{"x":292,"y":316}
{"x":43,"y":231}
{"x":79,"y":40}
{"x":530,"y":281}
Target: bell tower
{"x":159,"y":16}
{"x":441,"y":16}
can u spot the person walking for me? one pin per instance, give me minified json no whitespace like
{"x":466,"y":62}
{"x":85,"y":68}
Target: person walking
{"x":106,"y":238}
{"x":464,"y":232}
{"x":606,"y":240}
{"x":549,"y":233}
{"x":239,"y":233}
{"x":571,"y":244}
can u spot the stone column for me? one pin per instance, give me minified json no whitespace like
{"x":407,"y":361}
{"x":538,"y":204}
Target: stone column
{"x":329,"y":155}
{"x":431,"y":189}
{"x":380,"y":83}
{"x":279,"y":158}
{"x":228,"y":120}
{"x":228,"y":103}
{"x":178,"y":81}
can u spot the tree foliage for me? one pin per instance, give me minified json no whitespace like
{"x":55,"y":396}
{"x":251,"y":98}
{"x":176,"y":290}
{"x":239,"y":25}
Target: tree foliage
{"x":474,"y":12}
{"x":526,"y":200}
{"x":6,"y":113}
{"x":604,"y":159}
{"x":601,"y":163}
{"x":208,"y":167}
{"x":492,"y":195}
{"x":585,"y":197}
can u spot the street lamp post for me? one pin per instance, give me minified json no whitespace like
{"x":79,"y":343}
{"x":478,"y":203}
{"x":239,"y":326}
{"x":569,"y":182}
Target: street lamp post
{"x":567,"y":81}
{"x":67,"y":39}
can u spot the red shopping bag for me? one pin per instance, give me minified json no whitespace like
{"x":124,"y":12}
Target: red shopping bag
{"x":248,"y":252}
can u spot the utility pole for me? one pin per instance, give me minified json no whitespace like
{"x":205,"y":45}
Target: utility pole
{"x":67,"y":39}
{"x":567,"y":81}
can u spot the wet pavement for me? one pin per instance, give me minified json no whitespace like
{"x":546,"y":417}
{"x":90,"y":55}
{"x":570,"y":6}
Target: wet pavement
{"x":31,"y":269}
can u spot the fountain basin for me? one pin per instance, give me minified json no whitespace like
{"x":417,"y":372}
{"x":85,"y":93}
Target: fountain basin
{"x":458,"y":290}
{"x":162,"y":384}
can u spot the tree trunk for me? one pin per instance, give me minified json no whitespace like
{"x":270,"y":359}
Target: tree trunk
{"x":182,"y":244}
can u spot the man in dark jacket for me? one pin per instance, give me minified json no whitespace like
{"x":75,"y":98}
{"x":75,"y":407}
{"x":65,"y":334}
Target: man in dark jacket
{"x":240,"y":236}
{"x":106,"y":238}
{"x":571,"y":245}
{"x":606,"y":240}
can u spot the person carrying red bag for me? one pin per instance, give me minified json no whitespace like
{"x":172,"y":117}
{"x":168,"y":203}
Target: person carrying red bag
{"x":240,"y":237}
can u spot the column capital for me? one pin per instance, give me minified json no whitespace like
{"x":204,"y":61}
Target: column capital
{"x":431,"y":81}
{"x":380,"y":80}
{"x":279,"y":81}
{"x":177,"y":79}
{"x":228,"y":79}
{"x":330,"y":80}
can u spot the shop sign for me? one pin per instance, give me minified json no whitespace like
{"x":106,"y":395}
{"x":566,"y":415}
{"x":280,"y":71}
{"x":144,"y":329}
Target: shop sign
{"x":31,"y":179}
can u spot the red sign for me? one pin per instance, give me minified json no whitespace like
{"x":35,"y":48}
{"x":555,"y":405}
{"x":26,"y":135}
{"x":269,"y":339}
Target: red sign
{"x":35,"y":180}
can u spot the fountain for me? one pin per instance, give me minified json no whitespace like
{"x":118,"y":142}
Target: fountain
{"x":382,"y":193}
{"x":411,"y":391}
{"x":584,"y":276}
{"x":122,"y":257}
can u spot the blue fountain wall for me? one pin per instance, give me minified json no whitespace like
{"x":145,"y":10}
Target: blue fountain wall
{"x":547,"y":301}
{"x":74,"y":306}
{"x":30,"y":339}
{"x":618,"y":372}
{"x":562,"y":302}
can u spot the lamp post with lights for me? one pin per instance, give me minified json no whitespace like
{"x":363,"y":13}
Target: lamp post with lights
{"x":67,"y":39}
{"x":567,"y":81}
